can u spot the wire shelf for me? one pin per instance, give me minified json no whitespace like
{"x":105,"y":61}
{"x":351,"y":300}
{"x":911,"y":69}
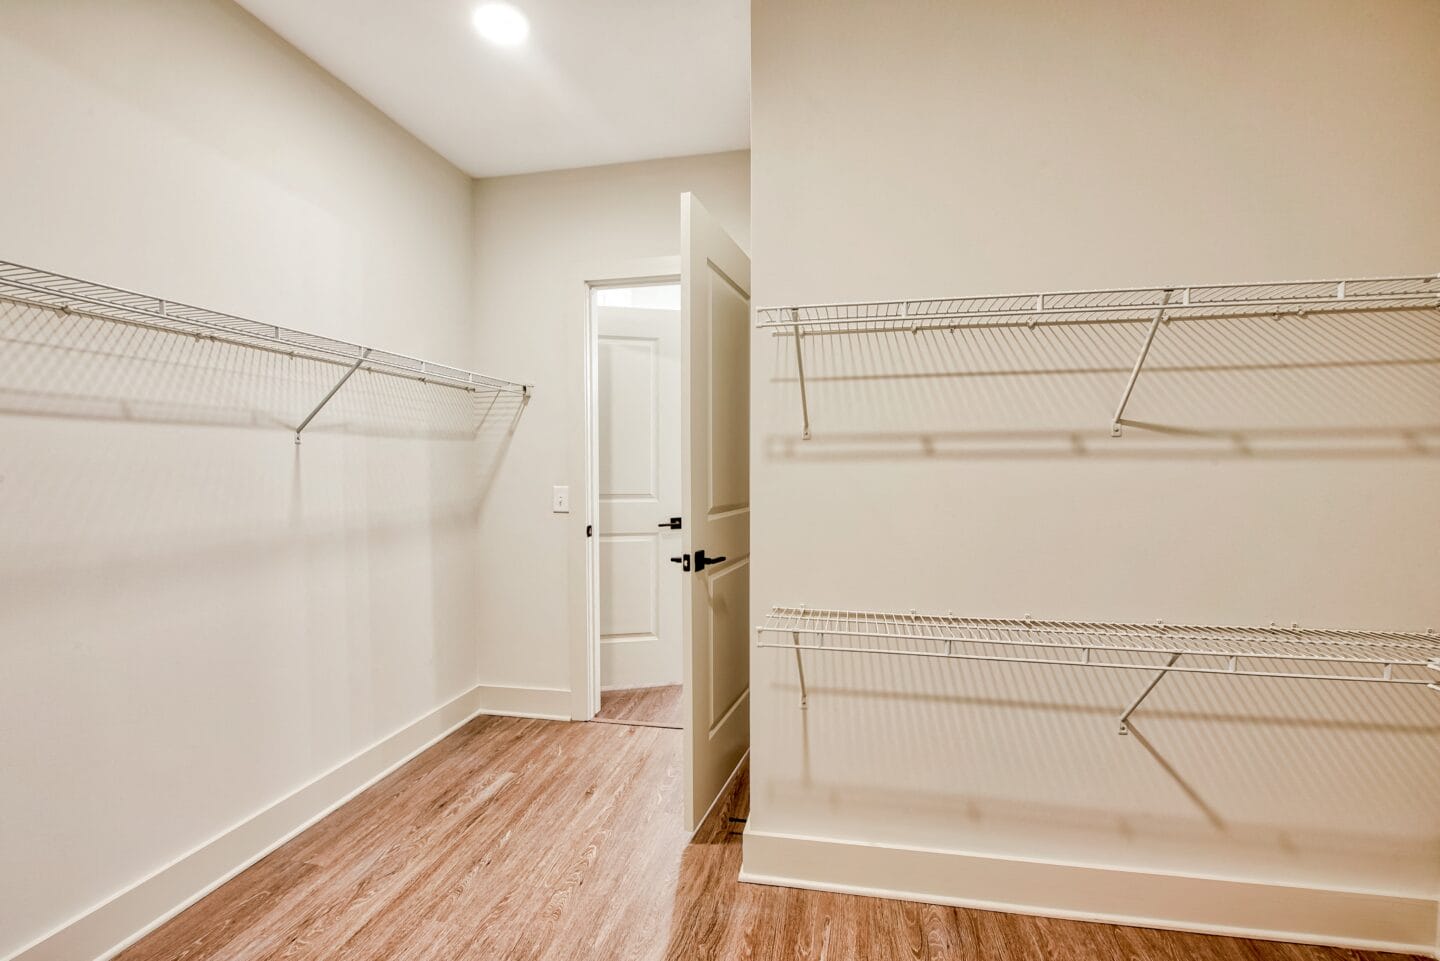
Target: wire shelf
{"x":1127,"y":305}
{"x":41,"y":288}
{"x":1121,"y":305}
{"x":1373,"y":657}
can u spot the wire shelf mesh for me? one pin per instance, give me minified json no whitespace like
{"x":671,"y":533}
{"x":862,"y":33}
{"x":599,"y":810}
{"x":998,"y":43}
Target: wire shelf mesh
{"x":41,"y":288}
{"x":1382,"y":657}
{"x":1120,"y":305}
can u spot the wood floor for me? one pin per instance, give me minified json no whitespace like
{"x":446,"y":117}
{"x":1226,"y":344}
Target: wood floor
{"x":651,"y":706}
{"x":521,"y":839}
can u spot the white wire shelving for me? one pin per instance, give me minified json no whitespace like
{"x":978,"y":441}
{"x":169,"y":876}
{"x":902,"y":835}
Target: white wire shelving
{"x":1151,"y":650}
{"x":70,"y":295}
{"x":1148,"y":306}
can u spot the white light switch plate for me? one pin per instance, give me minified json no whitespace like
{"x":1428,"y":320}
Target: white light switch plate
{"x":562,"y":500}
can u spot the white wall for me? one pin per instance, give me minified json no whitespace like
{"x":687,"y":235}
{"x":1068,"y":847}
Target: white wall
{"x":540,"y":238}
{"x":196,"y":617}
{"x":930,"y":149}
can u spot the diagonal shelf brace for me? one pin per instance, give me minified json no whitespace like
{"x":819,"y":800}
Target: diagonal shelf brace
{"x":800,"y":366}
{"x":800,"y":670}
{"x":333,"y":390}
{"x":1159,"y":676}
{"x":1140,"y":362}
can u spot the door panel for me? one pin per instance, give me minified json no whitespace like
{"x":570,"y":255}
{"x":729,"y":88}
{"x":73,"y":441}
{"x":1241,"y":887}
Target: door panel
{"x":638,"y":366}
{"x":629,"y":433}
{"x":715,"y":351}
{"x":729,"y":396}
{"x":729,"y":628}
{"x":628,"y":595}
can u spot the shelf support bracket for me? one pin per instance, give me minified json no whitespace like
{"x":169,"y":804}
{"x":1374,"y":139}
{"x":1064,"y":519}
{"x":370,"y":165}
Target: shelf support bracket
{"x":1139,"y":362}
{"x":1159,"y":676}
{"x":1435,"y":666}
{"x":800,"y":366}
{"x":800,"y":670}
{"x":333,"y":391}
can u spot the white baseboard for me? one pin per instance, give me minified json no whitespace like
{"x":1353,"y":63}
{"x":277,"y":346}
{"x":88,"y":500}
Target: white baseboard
{"x":1274,"y":912}
{"x":546,"y":703}
{"x":114,"y":924}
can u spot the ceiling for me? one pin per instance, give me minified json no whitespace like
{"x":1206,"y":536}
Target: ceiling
{"x":599,"y":81}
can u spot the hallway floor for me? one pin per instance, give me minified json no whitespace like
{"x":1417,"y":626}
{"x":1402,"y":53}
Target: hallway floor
{"x":517,"y":838}
{"x":650,"y":706}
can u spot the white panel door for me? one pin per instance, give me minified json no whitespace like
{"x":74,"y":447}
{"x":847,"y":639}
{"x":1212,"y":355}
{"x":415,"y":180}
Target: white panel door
{"x":638,"y":360}
{"x":715,"y":347}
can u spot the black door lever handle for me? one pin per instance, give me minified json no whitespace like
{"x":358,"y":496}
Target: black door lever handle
{"x":672,"y":524}
{"x":702,"y":562}
{"x":683,"y":560}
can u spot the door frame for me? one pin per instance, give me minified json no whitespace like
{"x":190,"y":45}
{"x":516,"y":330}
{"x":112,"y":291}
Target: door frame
{"x":585,"y":654}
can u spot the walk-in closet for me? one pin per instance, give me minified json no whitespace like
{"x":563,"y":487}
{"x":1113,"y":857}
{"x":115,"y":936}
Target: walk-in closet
{"x":656,"y":480}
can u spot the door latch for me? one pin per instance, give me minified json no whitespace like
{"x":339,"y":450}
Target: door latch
{"x":672,"y":524}
{"x":684,"y":561}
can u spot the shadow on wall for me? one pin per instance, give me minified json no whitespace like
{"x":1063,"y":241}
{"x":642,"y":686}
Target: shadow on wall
{"x":1363,"y":385}
{"x":1278,"y":768}
{"x":423,"y":457}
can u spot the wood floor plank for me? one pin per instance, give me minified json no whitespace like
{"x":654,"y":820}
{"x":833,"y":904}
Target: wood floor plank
{"x":545,"y":841}
{"x":649,"y":706}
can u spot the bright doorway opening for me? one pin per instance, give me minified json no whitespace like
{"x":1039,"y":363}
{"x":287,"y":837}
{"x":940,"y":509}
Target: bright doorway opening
{"x":637,"y":522}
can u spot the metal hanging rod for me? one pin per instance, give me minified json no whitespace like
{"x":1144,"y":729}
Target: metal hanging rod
{"x":42,"y":288}
{"x":1127,"y":305}
{"x":1369,"y":657}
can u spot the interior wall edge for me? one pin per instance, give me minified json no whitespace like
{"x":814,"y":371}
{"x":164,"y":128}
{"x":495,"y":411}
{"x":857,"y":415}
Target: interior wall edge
{"x":112,"y":925}
{"x":1237,"y":908}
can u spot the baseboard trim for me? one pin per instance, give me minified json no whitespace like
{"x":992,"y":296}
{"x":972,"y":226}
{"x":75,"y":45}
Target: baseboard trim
{"x":116,"y":923}
{"x":545,"y":703}
{"x":1249,"y":909}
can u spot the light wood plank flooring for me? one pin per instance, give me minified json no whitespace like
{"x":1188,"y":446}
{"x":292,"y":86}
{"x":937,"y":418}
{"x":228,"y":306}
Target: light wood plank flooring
{"x":522,"y":839}
{"x":651,"y":706}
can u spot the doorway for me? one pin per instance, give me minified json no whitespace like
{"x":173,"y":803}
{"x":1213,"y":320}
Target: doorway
{"x":637,"y":520}
{"x":641,"y":540}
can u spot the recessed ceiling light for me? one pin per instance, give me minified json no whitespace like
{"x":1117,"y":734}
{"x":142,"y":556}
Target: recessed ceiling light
{"x":501,"y":24}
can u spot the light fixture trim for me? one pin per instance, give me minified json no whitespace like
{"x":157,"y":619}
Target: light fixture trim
{"x":501,"y":24}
